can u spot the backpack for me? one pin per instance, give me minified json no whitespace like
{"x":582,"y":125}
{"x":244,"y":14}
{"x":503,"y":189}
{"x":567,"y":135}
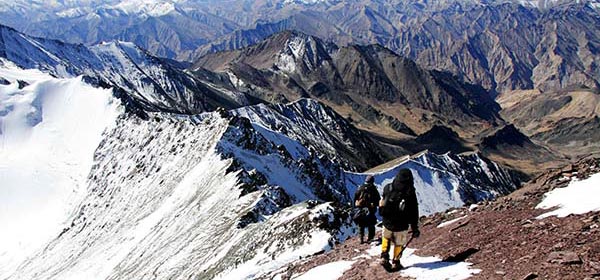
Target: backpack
{"x":364,"y":197}
{"x":394,"y":204}
{"x":360,"y":215}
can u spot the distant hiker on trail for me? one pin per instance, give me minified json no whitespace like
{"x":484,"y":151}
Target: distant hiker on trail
{"x":399,"y":209}
{"x":366,"y":200}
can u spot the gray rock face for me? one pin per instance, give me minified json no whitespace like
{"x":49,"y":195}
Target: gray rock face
{"x":564,"y":257}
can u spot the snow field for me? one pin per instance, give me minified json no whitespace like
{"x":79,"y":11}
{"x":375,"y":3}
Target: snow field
{"x":49,"y":130}
{"x":429,"y":268}
{"x":330,"y":271}
{"x":432,"y":268}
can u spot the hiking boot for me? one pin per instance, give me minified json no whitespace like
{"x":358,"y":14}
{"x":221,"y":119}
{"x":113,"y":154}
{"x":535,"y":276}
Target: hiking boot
{"x":385,"y":259}
{"x":396,"y":265}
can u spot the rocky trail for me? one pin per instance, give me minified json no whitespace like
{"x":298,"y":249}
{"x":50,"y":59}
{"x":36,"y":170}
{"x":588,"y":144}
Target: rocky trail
{"x":502,"y":239}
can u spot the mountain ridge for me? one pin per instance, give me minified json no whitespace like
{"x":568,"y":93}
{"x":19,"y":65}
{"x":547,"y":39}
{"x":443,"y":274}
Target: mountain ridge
{"x":151,"y":83}
{"x":355,"y":76}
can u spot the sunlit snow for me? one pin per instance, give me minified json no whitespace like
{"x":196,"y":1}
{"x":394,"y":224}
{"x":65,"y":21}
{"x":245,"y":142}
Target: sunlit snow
{"x":330,"y":271}
{"x":447,"y":223}
{"x":578,"y":198}
{"x":429,"y":268}
{"x":49,"y":130}
{"x":433,"y":268}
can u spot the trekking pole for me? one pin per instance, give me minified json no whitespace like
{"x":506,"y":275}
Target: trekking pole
{"x":406,"y":244}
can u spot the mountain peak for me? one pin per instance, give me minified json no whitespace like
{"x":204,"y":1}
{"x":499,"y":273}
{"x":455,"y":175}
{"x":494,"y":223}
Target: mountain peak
{"x":287,"y":51}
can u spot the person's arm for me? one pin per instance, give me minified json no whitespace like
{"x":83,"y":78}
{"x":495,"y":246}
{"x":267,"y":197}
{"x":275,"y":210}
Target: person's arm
{"x":356,"y":196}
{"x":414,"y":215}
{"x":377,"y":196}
{"x":382,"y":200}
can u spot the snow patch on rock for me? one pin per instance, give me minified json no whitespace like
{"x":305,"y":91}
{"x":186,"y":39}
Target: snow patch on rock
{"x":447,"y":223}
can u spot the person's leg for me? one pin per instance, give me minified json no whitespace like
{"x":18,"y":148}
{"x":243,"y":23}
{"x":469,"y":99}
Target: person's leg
{"x":362,"y":234}
{"x":385,"y":246}
{"x":399,"y":239}
{"x":371,"y":232}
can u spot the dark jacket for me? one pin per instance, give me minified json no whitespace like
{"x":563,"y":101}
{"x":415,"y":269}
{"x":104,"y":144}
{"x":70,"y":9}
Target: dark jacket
{"x":371,"y":196}
{"x":403,"y":184}
{"x":371,"y":199}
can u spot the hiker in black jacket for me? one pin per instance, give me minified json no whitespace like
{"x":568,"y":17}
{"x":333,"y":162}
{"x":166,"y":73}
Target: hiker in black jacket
{"x":367,"y":196}
{"x":399,"y":209}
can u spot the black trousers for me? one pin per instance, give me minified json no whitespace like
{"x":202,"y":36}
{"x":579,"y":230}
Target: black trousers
{"x":371,"y":229}
{"x":369,"y":225}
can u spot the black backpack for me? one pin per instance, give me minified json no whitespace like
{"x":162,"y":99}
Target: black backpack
{"x":394,"y":203}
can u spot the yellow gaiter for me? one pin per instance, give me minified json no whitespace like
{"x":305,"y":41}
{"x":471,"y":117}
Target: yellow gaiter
{"x":397,"y":251}
{"x":385,"y":245}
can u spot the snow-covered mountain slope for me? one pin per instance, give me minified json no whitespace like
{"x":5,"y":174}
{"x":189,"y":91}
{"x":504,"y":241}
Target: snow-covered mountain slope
{"x":151,"y":83}
{"x":319,"y":128}
{"x":166,"y":198}
{"x":49,"y":129}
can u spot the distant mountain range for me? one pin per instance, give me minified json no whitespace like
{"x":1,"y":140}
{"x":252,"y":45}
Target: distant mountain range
{"x":379,"y":90}
{"x":500,"y":45}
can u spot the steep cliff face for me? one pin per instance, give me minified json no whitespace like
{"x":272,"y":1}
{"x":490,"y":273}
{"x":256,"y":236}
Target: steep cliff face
{"x":318,"y":128}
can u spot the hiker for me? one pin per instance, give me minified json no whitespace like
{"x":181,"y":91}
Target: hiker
{"x":367,"y":196}
{"x":399,"y":209}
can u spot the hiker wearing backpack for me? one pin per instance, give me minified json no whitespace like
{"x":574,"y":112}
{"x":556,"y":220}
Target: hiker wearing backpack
{"x":367,"y":196}
{"x":399,"y":209}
